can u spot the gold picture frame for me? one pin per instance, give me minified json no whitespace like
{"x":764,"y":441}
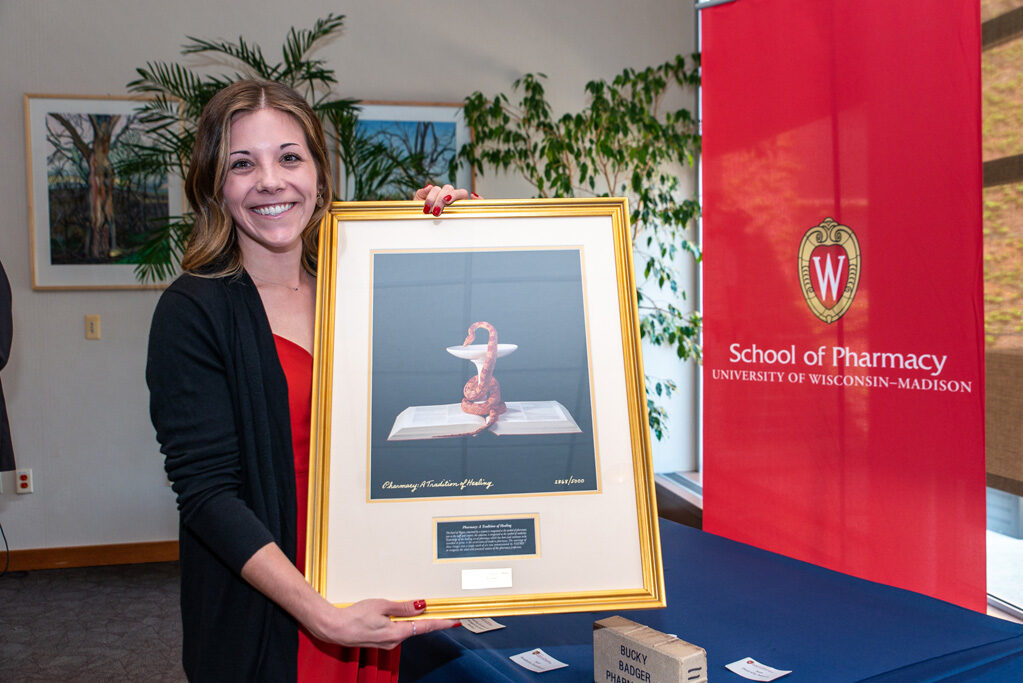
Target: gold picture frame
{"x":424,"y":507}
{"x":86,"y":216}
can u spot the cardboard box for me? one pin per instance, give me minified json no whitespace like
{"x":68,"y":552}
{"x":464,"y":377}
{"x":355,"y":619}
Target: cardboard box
{"x":627,"y":652}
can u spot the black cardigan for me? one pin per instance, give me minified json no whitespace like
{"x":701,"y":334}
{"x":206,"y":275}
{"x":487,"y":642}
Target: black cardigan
{"x":219,"y":402}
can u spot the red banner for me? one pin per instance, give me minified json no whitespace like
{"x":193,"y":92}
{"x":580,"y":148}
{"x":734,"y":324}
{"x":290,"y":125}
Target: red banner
{"x":843,"y":287}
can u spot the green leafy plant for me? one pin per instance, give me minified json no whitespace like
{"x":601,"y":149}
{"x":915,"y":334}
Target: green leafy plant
{"x":179,"y":94}
{"x":623,"y":143}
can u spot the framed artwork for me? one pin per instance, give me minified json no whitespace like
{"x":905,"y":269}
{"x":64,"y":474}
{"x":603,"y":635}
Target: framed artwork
{"x":89,"y":209}
{"x":398,"y":147}
{"x":480,"y":426}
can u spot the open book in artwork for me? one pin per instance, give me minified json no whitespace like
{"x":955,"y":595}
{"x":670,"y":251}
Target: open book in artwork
{"x":521,"y":417}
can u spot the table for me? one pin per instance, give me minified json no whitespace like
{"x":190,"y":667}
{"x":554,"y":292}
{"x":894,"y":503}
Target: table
{"x":738,"y":601}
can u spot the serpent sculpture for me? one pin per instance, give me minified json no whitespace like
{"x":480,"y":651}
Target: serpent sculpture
{"x":482,"y":393}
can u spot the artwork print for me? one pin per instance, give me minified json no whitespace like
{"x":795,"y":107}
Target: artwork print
{"x":480,"y":375}
{"x":413,"y":145}
{"x":100,"y":210}
{"x":94,"y":204}
{"x":431,"y":144}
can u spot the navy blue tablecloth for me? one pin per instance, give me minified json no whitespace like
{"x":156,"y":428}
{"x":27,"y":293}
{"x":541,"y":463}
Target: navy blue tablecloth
{"x":738,"y":601}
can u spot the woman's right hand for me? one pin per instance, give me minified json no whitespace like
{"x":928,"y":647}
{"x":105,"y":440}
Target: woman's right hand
{"x":368,"y":623}
{"x":364,"y":624}
{"x":436,"y":197}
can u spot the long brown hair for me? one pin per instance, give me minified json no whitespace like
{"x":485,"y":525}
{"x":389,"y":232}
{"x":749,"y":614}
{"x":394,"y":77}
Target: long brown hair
{"x":213,"y":246}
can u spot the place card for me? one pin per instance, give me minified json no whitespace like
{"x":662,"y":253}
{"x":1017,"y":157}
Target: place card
{"x":754,"y":670}
{"x":537,"y":660}
{"x":481,"y":625}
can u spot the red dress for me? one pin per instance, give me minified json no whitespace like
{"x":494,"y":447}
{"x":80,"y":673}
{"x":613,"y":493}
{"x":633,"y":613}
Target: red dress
{"x":319,"y":661}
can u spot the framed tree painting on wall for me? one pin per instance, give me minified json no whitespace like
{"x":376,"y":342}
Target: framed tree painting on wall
{"x":91,"y":207}
{"x":394,"y":148}
{"x":480,"y":421}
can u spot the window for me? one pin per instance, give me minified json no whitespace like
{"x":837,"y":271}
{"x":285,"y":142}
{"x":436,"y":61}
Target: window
{"x":1002,"y":111}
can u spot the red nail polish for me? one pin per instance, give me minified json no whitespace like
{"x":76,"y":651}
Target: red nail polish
{"x":419,"y":604}
{"x":456,"y":624}
{"x":447,"y":199}
{"x":475,"y":196}
{"x":436,"y":211}
{"x":426,"y":209}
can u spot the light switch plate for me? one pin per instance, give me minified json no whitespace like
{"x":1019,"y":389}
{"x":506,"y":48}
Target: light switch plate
{"x":92,"y":327}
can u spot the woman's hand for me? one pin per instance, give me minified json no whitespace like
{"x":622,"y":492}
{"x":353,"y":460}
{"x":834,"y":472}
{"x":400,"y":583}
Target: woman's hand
{"x":368,"y":623}
{"x":436,"y":197}
{"x":363,"y":624}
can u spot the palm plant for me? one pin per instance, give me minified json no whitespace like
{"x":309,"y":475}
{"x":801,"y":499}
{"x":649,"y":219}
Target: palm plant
{"x":178,"y":95}
{"x":371,"y":170}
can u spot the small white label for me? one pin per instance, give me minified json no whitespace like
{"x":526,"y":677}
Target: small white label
{"x":537,"y":660}
{"x":481,"y":625}
{"x":475,"y":579}
{"x":754,"y":670}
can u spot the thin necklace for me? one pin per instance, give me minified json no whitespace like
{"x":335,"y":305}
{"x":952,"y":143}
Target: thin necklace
{"x":279,"y":284}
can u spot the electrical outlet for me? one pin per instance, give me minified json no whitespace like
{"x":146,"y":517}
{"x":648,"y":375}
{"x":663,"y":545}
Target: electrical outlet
{"x":23,"y":481}
{"x":92,"y":328}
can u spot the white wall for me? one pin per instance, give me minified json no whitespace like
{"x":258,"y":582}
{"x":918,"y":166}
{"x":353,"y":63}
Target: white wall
{"x":79,"y":409}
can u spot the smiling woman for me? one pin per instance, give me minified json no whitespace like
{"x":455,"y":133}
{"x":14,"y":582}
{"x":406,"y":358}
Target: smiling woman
{"x":271,"y":188}
{"x":229,"y":372}
{"x":235,"y":130}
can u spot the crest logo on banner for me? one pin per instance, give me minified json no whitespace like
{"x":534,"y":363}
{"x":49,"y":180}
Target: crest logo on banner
{"x":829,"y":269}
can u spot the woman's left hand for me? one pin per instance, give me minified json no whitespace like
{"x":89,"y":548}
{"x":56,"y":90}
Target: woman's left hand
{"x":436,"y":197}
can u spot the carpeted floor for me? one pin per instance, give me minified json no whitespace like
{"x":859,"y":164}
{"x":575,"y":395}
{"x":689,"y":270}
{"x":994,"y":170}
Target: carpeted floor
{"x":117,"y":623}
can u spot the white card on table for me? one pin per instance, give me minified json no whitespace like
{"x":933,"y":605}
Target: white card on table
{"x":537,"y":660}
{"x":481,"y":625}
{"x":750,"y":668}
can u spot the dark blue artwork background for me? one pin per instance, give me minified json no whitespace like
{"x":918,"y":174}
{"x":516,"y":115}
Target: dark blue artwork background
{"x":425,"y":302}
